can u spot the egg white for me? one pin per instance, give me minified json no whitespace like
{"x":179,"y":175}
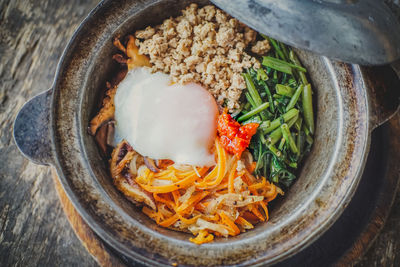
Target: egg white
{"x":164,"y":121}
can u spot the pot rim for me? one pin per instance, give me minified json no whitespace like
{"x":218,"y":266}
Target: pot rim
{"x":109,"y":238}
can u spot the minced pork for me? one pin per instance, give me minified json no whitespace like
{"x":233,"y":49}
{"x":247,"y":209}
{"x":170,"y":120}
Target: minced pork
{"x":206,"y":46}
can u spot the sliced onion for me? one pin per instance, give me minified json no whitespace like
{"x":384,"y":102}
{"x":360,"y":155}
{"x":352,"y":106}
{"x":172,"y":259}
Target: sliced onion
{"x":138,"y":194}
{"x":244,"y":201}
{"x":247,"y":157}
{"x":239,"y":184}
{"x":165,"y":211}
{"x":231,"y":212}
{"x":240,"y":166}
{"x":214,"y":204}
{"x":232,"y":200}
{"x":159,"y":182}
{"x":141,"y":170}
{"x":183,"y":167}
{"x":180,"y":225}
{"x":203,"y":224}
{"x":151,"y":164}
{"x":229,"y":164}
{"x":133,"y":166}
{"x":187,"y":194}
{"x":196,"y":171}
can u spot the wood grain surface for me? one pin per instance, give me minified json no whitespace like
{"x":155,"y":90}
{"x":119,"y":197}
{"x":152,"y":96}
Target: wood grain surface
{"x":34,"y":230}
{"x":88,"y":238}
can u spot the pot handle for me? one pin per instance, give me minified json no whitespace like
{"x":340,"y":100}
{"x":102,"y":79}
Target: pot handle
{"x":383,"y":87}
{"x":32,"y":129}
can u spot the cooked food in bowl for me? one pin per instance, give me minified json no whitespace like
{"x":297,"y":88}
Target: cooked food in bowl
{"x":208,"y":122}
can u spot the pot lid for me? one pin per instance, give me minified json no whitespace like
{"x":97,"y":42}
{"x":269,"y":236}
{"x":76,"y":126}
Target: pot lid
{"x":362,"y":32}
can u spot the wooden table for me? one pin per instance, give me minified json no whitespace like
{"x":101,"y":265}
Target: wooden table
{"x":34,"y":230}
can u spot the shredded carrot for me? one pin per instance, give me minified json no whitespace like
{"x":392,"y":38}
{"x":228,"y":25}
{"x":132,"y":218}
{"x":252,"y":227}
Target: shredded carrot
{"x":165,"y":200}
{"x":244,"y":223}
{"x":256,"y":212}
{"x":152,"y":214}
{"x":211,"y":175}
{"x":221,"y":186}
{"x":188,"y":221}
{"x":176,"y":195}
{"x":221,"y":167}
{"x":200,"y":207}
{"x":149,"y":212}
{"x":246,"y":179}
{"x":192,"y":201}
{"x":215,"y":217}
{"x":206,"y":204}
{"x":271,"y":197}
{"x":264,"y":206}
{"x":221,"y":164}
{"x":184,"y":174}
{"x":188,"y":181}
{"x":166,"y":173}
{"x":260,"y":185}
{"x":232,"y":228}
{"x":187,"y":194}
{"x":202,"y":237}
{"x":250,"y":217}
{"x":271,"y":192}
{"x":217,"y":234}
{"x":170,"y":221}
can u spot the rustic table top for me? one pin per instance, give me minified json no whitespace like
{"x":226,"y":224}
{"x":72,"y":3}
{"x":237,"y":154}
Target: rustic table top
{"x":33,"y":228}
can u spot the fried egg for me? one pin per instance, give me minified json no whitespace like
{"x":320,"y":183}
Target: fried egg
{"x":161,"y":120}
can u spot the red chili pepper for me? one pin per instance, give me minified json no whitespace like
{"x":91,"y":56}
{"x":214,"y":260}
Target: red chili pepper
{"x":235,"y":138}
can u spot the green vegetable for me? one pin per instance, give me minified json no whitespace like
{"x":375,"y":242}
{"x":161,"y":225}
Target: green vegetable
{"x":251,"y":101}
{"x":300,"y":141}
{"x":308,"y":108}
{"x":287,"y":135}
{"x":275,"y":123}
{"x":261,"y":75}
{"x":253,"y":112}
{"x":295,"y":97}
{"x":296,"y":61}
{"x":269,"y":95}
{"x":277,"y":64}
{"x":281,"y":65}
{"x":277,"y":47}
{"x":274,"y":150}
{"x":282,"y":143}
{"x":279,"y":98}
{"x":252,"y":89}
{"x":255,"y":119}
{"x":277,"y":134}
{"x":284,"y":90}
{"x":309,"y":139}
{"x":292,"y":83}
{"x":298,"y":123}
{"x":284,"y":50}
{"x":262,"y":139}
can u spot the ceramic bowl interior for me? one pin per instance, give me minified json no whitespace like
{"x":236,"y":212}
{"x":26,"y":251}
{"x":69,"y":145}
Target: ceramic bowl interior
{"x":325,"y":182}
